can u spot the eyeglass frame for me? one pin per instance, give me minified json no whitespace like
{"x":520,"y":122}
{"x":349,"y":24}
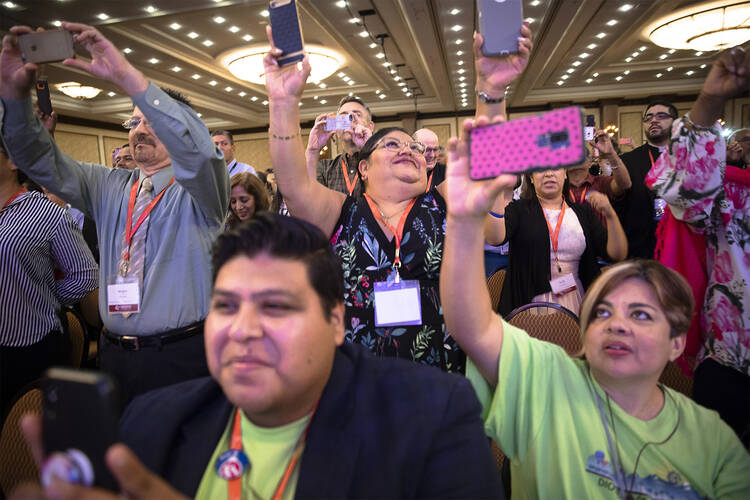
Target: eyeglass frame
{"x":127,"y":124}
{"x":402,"y":143}
{"x":661,"y":115}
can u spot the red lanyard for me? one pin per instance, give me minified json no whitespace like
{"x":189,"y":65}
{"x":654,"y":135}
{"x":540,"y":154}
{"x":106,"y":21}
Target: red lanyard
{"x":554,"y":235}
{"x":15,"y":195}
{"x":397,"y":232}
{"x":234,"y":486}
{"x":429,"y":181}
{"x":651,"y":157}
{"x":583,"y":196}
{"x":130,"y":230}
{"x":349,"y":184}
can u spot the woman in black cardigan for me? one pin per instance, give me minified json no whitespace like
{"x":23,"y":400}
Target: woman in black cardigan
{"x":554,"y":260}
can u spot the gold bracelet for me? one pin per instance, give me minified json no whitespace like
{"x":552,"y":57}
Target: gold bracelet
{"x":284,"y":137}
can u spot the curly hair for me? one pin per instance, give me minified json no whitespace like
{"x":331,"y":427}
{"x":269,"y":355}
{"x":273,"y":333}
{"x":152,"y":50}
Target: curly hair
{"x":254,"y":187}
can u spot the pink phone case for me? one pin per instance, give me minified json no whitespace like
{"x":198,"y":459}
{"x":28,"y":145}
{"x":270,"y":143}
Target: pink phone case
{"x":548,"y":140}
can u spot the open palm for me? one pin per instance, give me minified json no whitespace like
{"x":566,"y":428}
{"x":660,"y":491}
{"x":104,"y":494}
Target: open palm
{"x":499,"y":71}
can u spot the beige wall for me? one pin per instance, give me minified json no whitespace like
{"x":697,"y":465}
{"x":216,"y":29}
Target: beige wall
{"x":89,"y":144}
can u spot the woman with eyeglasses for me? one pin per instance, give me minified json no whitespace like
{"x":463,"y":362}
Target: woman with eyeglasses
{"x":390,"y":240}
{"x":596,"y":426}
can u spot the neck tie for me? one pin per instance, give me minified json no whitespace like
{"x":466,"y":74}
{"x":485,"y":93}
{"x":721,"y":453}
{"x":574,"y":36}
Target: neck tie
{"x":138,"y":244}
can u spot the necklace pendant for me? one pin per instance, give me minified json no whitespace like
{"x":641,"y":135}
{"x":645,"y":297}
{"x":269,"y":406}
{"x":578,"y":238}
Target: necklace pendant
{"x":124,"y":268}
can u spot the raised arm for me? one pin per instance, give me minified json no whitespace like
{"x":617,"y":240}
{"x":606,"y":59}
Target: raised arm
{"x":466,"y":301}
{"x":617,"y":242}
{"x":315,"y":142}
{"x":304,"y":196}
{"x":620,"y":176}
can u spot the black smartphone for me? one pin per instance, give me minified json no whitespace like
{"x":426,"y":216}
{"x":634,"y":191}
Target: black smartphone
{"x":287,"y":31}
{"x":46,"y":46}
{"x":42,"y":96}
{"x":80,"y":421}
{"x":500,"y":25}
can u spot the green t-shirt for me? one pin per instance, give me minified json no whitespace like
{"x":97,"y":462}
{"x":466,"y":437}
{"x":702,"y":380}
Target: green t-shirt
{"x":269,"y":451}
{"x":544,"y":416}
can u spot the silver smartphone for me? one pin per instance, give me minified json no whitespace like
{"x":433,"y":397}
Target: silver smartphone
{"x":46,"y":46}
{"x":500,"y":25}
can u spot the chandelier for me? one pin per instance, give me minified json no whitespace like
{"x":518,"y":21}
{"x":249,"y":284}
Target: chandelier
{"x":246,"y":63}
{"x":77,"y":90}
{"x":709,"y":26}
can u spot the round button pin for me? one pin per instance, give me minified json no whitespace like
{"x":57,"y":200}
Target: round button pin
{"x":231,"y":464}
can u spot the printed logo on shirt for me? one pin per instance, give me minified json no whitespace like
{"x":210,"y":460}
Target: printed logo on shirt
{"x":649,"y":487}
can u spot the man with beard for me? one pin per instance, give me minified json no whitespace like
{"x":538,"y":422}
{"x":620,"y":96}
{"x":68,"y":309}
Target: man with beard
{"x":435,"y":170}
{"x":156,"y":224}
{"x":738,"y":148}
{"x":340,"y":174}
{"x":636,"y":208}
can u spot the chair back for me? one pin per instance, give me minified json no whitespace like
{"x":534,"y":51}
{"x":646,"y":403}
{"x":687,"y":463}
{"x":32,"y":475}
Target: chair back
{"x":495,"y":286}
{"x":675,"y":379}
{"x":549,"y":322}
{"x":76,"y":333}
{"x":16,"y":462}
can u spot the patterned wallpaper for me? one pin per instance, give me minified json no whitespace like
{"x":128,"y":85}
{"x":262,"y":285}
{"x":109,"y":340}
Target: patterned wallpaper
{"x":79,"y":146}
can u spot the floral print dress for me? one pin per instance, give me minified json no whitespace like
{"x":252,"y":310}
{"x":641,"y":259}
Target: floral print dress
{"x":367,"y":257}
{"x":714,"y":198}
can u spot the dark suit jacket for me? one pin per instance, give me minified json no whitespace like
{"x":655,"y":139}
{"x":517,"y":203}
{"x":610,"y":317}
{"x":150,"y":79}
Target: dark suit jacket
{"x":384,"y":428}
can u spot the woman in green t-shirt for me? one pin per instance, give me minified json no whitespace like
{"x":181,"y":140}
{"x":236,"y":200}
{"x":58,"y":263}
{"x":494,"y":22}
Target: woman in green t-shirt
{"x":598,"y":426}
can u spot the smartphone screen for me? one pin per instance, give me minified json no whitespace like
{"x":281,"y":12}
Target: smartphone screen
{"x":287,"y":31}
{"x":80,"y":421}
{"x":500,"y":26}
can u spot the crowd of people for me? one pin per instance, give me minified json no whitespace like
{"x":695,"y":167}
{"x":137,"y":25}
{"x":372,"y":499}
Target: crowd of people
{"x":325,"y":329}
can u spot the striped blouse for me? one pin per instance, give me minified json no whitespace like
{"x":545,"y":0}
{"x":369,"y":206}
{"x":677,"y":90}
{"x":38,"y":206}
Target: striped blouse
{"x":37,"y":236}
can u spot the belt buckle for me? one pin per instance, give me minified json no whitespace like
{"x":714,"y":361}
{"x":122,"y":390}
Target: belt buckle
{"x":130,"y":343}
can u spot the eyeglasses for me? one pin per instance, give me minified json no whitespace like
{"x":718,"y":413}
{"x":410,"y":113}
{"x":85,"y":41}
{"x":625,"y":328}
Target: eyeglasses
{"x":396,"y":146}
{"x":432,"y":151}
{"x":659,"y":116}
{"x":133,"y":122}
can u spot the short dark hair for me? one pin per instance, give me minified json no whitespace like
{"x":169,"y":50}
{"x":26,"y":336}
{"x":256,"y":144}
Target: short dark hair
{"x":227,"y":133}
{"x":286,"y":238}
{"x":529,"y":193}
{"x":126,"y":145}
{"x":668,"y":105}
{"x":177,"y":96}
{"x":353,"y":98}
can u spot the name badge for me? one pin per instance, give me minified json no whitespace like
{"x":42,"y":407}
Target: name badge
{"x":123,"y":294}
{"x":397,"y":303}
{"x":564,"y":284}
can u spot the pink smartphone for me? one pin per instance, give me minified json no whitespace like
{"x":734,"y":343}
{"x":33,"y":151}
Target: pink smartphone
{"x":548,"y":140}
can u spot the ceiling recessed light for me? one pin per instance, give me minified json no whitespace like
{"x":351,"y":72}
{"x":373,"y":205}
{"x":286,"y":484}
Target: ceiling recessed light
{"x":595,"y":75}
{"x":698,"y":54}
{"x":589,"y":80}
{"x":688,"y":73}
{"x":663,"y":56}
{"x":396,"y":78}
{"x":373,"y":45}
{"x":382,"y":96}
{"x":195,"y":76}
{"x":111,"y":94}
{"x":322,"y":85}
{"x":364,"y":34}
{"x":341,"y":74}
{"x":175,"y":26}
{"x":462,"y":85}
{"x":601,"y":35}
{"x":457,"y":27}
{"x":560,"y":82}
{"x":529,"y":20}
{"x":670,"y":68}
{"x":658,"y":75}
{"x":461,"y":78}
{"x":461,"y":71}
{"x":583,"y":55}
{"x":635,"y":54}
{"x":265,"y":103}
{"x":380,"y":55}
{"x":56,"y":23}
{"x":354,"y":20}
{"x":402,"y":84}
{"x":247,"y":38}
{"x":628,"y":59}
{"x":176,"y":69}
{"x":626,"y":72}
{"x":199,"y":115}
{"x":242,"y":94}
{"x":591,"y":46}
{"x":213,"y":83}
{"x":460,"y":53}
{"x":127,"y":50}
{"x":611,"y":22}
{"x":254,"y":98}
{"x":234,"y":29}
{"x":264,"y":13}
{"x":453,"y":12}
{"x":408,"y":94}
{"x":564,"y":77}
{"x":671,"y":51}
{"x":193,"y":35}
{"x":150,"y":9}
{"x":207,"y":43}
{"x":386,"y":64}
{"x":341,"y":4}
{"x":350,"y":82}
{"x":10,"y":5}
{"x":101,"y":16}
{"x":703,"y":66}
{"x":618,"y":78}
{"x":535,"y":3}
{"x":459,"y":41}
{"x":153,"y":60}
{"x":642,"y":48}
{"x":576,"y":63}
{"x":460,"y":63}
{"x":625,"y":7}
{"x":228,"y":89}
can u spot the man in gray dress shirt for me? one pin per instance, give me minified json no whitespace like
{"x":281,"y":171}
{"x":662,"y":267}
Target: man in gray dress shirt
{"x":161,"y":343}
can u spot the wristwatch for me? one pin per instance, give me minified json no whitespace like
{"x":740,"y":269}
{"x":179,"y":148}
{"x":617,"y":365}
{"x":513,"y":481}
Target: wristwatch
{"x":484,"y":97}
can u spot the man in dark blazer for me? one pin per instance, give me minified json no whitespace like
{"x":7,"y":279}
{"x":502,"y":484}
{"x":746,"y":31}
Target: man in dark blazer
{"x":368,"y":427}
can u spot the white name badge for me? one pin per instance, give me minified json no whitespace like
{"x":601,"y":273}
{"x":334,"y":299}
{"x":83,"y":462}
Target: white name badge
{"x":123,"y":295}
{"x":563,"y":284}
{"x":397,"y":303}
